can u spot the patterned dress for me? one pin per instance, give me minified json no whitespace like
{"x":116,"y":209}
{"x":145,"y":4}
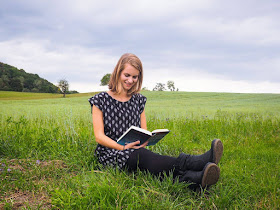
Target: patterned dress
{"x":117,"y":117}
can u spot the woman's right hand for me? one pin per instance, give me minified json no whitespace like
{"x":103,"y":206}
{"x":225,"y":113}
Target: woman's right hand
{"x":134,"y":145}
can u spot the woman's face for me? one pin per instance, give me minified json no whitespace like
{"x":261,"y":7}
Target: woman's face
{"x":129,"y":77}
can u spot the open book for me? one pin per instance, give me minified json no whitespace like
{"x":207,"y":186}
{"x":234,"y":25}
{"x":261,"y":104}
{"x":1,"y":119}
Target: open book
{"x":138,"y":134}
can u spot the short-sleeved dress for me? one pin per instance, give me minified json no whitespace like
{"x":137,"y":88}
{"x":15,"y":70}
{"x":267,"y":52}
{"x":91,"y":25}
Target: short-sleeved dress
{"x":117,"y":117}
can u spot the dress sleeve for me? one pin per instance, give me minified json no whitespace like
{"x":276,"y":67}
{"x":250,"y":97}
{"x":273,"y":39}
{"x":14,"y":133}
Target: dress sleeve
{"x":96,"y":100}
{"x":142,"y":103}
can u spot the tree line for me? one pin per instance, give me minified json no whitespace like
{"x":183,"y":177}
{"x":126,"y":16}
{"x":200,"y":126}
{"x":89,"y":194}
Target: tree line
{"x":13,"y":79}
{"x":159,"y":86}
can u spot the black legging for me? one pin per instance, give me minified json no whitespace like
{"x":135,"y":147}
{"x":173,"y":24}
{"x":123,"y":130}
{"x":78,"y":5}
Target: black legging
{"x":149,"y":161}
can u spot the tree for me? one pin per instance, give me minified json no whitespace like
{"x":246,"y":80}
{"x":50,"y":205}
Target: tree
{"x":16,"y":84}
{"x":37,"y":83}
{"x":1,"y":83}
{"x":159,"y":87}
{"x":105,"y":79}
{"x":64,"y":86}
{"x":170,"y":85}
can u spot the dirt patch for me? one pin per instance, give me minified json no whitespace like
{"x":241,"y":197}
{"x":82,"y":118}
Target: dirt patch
{"x":55,"y":163}
{"x":27,"y":164}
{"x":27,"y":199}
{"x":16,"y":164}
{"x":19,"y":198}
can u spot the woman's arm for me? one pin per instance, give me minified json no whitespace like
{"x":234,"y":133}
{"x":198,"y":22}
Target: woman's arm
{"x":101,"y":138}
{"x":98,"y":128}
{"x":143,"y":120}
{"x":144,"y":124}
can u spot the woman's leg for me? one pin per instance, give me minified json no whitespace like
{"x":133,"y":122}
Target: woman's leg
{"x":156,"y":164}
{"x":149,"y":161}
{"x":197,"y":162}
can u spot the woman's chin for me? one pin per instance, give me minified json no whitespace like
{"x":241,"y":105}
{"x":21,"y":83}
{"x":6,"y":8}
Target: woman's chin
{"x":128,"y":87}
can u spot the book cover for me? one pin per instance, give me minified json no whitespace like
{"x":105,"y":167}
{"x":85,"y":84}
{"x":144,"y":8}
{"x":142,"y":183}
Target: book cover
{"x":138,"y":134}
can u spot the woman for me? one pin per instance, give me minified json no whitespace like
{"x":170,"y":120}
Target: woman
{"x":114,"y":111}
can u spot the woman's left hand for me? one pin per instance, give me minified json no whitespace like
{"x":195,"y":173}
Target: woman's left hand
{"x":134,"y":145}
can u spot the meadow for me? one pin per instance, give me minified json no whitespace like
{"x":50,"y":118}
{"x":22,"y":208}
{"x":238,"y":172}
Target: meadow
{"x":47,"y":146}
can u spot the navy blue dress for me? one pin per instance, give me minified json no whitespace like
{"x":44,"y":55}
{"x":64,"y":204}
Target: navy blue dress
{"x":117,"y":117}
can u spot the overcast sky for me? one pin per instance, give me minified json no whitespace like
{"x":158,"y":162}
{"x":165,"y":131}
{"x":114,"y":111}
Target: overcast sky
{"x":205,"y":46}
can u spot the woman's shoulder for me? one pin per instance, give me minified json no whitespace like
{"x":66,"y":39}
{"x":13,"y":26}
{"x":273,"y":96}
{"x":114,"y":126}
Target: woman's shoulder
{"x":140,"y":97}
{"x":98,"y":97}
{"x":141,"y":101}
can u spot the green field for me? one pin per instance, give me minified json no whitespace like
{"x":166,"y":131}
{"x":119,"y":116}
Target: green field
{"x":47,"y":146}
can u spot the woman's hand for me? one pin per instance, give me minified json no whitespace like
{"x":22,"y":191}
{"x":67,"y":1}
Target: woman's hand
{"x":133,"y":145}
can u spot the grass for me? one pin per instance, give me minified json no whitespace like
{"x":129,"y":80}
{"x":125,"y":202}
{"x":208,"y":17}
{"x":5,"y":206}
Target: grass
{"x":47,"y":146}
{"x":12,"y":95}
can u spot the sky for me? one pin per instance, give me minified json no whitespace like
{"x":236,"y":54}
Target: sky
{"x":202,"y":46}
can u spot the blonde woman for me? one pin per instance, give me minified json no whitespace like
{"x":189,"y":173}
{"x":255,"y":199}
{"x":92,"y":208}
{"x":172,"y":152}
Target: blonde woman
{"x":122,"y":106}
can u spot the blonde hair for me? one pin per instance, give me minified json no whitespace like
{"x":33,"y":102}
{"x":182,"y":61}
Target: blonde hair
{"x":114,"y":83}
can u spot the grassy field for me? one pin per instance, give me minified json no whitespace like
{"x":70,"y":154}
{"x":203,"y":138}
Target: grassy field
{"x":11,"y":95}
{"x":47,"y":146}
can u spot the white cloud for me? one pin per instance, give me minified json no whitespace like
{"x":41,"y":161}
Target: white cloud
{"x":73,"y":63}
{"x":191,"y":42}
{"x":259,"y":30}
{"x":128,"y":12}
{"x":87,"y":87}
{"x":218,"y":85}
{"x":84,"y":68}
{"x":197,"y":80}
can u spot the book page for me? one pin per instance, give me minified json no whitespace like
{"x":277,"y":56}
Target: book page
{"x":160,"y":131}
{"x":141,"y":130}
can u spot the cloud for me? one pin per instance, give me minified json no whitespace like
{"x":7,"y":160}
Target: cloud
{"x":197,"y":80}
{"x":128,"y":12}
{"x":253,"y":30}
{"x":203,"y":40}
{"x":74,"y":63}
{"x":84,"y":68}
{"x":87,"y":87}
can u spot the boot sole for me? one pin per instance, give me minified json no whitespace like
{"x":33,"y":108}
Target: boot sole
{"x":218,"y":148}
{"x":211,"y":175}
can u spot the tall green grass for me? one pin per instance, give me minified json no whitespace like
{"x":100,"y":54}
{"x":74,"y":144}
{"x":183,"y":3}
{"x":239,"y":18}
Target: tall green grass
{"x":60,"y":131}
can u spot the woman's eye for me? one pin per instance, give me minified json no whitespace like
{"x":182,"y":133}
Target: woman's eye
{"x":135,"y":77}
